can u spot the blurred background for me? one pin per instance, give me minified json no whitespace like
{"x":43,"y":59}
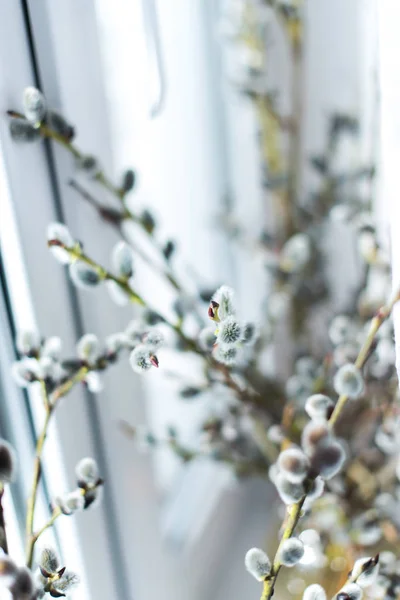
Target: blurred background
{"x":166,"y":87}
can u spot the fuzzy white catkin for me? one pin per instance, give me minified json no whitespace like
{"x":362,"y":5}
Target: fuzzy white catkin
{"x":318,"y":406}
{"x":365,"y":571}
{"x":299,"y":387}
{"x":52,"y":348}
{"x":341,"y":330}
{"x":296,"y":253}
{"x":154,"y":339}
{"x":115,"y":342}
{"x":8,"y":571}
{"x":140,"y":359}
{"x":314,"y":433}
{"x":83,"y":276}
{"x":229,"y":332}
{"x":94,"y":382}
{"x":71,"y":503}
{"x":329,"y":458}
{"x":257,"y":563}
{"x":291,"y":552}
{"x":294,"y":464}
{"x":249,"y":333}
{"x":227,"y":356}
{"x":25,"y":371}
{"x":289,"y":492}
{"x":122,"y":259}
{"x":59,"y":232}
{"x":87,"y":471}
{"x":207,"y":338}
{"x":314,"y":592}
{"x":66,"y":582}
{"x":350,"y":591}
{"x":348,"y":381}
{"x":88,"y":348}
{"x":275,"y":434}
{"x":8,"y":462}
{"x":27,"y":341}
{"x":34,"y":105}
{"x":23,"y":586}
{"x":49,"y":560}
{"x":224,"y":296}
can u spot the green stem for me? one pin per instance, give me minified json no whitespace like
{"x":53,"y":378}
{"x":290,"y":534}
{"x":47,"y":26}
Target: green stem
{"x":294,"y":517}
{"x":37,"y":471}
{"x":54,"y":516}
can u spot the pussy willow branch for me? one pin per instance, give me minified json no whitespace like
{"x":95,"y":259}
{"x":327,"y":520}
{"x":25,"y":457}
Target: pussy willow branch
{"x":103,"y":180}
{"x":3,"y":531}
{"x":50,"y":406}
{"x":57,"y":512}
{"x":54,"y":516}
{"x":244,"y":395}
{"x":382,"y":314}
{"x":47,"y":132}
{"x":102,"y":210}
{"x":77,"y":254}
{"x":295,"y":510}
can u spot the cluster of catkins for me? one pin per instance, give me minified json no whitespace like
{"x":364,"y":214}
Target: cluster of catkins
{"x":231,"y":337}
{"x":88,"y":492}
{"x":365,"y":572}
{"x":300,"y":471}
{"x":41,"y":360}
{"x":19,"y":583}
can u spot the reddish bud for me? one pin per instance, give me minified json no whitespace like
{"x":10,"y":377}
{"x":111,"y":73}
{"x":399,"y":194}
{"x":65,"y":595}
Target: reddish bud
{"x":154,"y":360}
